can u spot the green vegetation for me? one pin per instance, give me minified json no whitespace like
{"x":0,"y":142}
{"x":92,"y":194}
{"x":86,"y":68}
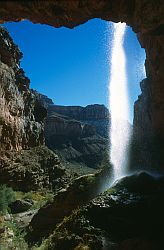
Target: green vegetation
{"x":11,"y":235}
{"x":74,"y":232}
{"x":82,"y":247}
{"x":39,"y":198}
{"x":7,"y":196}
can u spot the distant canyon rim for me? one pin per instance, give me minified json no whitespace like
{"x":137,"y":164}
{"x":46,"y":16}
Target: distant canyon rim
{"x":147,"y":21}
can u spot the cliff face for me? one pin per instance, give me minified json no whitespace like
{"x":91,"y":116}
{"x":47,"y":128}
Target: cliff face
{"x":154,"y":46}
{"x":20,"y":125}
{"x":77,"y":134}
{"x":142,"y":129}
{"x":75,"y":141}
{"x":143,"y":113}
{"x":25,"y":164}
{"x":96,"y":115}
{"x":56,"y":125}
{"x":32,"y":169}
{"x":90,"y":112}
{"x":149,"y":108}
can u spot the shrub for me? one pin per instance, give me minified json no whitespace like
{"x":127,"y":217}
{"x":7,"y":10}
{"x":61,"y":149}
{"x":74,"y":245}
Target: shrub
{"x":7,"y":196}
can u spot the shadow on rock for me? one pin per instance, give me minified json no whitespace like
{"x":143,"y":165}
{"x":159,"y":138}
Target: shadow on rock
{"x":129,"y":215}
{"x":79,"y":193}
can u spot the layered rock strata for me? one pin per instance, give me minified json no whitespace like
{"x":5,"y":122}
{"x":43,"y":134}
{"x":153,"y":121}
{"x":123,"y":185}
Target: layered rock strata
{"x":78,"y":134}
{"x":96,"y":115}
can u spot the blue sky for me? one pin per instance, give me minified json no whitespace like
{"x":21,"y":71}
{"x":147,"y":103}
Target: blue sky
{"x":71,"y":65}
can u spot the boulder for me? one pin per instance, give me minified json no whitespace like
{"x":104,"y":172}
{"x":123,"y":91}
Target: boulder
{"x":20,"y":206}
{"x":78,"y":193}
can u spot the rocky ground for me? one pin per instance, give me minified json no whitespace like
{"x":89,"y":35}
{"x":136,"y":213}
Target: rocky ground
{"x":127,"y":216}
{"x":32,"y":169}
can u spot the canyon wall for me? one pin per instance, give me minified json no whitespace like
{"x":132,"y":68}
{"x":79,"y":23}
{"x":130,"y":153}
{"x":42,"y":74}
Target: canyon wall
{"x":90,"y":112}
{"x":25,"y":163}
{"x":149,"y":108}
{"x":96,"y":115}
{"x":78,"y":134}
{"x":75,"y":142}
{"x":21,"y":115}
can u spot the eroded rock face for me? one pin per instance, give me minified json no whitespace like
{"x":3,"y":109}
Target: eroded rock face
{"x":21,"y":116}
{"x":32,"y":169}
{"x":149,"y":108}
{"x":25,"y":163}
{"x":75,"y":142}
{"x":78,"y":134}
{"x":56,"y":125}
{"x":96,"y":115}
{"x":141,"y":150}
{"x":90,"y":112}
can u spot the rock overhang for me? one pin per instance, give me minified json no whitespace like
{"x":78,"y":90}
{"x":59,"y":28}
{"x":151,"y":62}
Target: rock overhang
{"x":142,"y":15}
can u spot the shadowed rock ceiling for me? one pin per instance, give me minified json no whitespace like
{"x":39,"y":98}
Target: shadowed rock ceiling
{"x":142,"y":15}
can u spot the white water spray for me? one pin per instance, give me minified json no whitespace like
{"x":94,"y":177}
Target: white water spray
{"x":118,"y":104}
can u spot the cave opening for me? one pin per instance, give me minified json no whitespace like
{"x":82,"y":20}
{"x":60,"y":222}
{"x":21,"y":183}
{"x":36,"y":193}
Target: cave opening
{"x":55,"y":59}
{"x":71,"y":68}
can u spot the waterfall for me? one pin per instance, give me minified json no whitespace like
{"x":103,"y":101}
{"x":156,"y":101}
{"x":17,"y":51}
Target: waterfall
{"x":118,"y":103}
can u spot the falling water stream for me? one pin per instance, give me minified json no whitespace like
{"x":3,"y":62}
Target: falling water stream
{"x":118,"y":104}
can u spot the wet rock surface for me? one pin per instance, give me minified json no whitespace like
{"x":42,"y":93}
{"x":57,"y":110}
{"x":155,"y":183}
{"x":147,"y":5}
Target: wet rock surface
{"x":78,"y":193}
{"x":131,"y":211}
{"x":129,"y":216}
